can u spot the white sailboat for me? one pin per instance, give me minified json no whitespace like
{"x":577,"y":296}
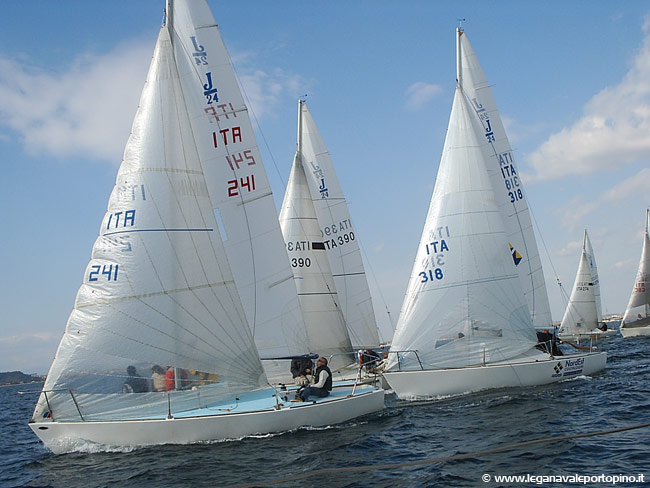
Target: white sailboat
{"x":338,"y":234}
{"x":161,"y":289}
{"x":636,"y":321}
{"x":469,"y":314}
{"x":583,"y":316}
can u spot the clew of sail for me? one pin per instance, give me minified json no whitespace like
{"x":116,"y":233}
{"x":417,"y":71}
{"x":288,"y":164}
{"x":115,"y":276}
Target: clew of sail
{"x":338,"y":234}
{"x":581,"y":314}
{"x":464,"y":304}
{"x":238,"y":184}
{"x":506,"y":181}
{"x":158,"y":290}
{"x":637,"y":313}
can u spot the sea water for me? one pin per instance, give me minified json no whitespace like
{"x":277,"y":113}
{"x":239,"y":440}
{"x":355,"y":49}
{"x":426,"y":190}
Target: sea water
{"x":618,"y":397}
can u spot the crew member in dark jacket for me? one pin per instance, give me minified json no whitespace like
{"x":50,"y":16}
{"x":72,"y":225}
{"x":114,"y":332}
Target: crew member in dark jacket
{"x":302,"y":370}
{"x":323,"y":384}
{"x":134,"y":383}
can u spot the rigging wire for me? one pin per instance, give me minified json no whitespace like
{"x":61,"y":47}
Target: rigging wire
{"x":429,"y":461}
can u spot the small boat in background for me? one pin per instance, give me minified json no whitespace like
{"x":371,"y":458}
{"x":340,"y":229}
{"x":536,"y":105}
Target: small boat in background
{"x":636,"y":321}
{"x":583,"y":316}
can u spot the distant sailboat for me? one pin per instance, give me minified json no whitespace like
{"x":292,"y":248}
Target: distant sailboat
{"x":636,"y":321}
{"x":161,"y":292}
{"x":583,"y":315}
{"x":469,"y":314}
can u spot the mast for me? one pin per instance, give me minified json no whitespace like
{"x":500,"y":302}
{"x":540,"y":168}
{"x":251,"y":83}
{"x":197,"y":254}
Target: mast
{"x":459,"y":32}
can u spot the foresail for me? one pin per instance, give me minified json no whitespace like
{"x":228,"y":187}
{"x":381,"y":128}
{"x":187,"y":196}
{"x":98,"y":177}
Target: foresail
{"x":506,"y":182}
{"x":338,"y":235}
{"x":324,"y":321}
{"x":158,"y":291}
{"x":591,"y":258}
{"x":238,"y":184}
{"x":581,"y":314}
{"x":464,"y":305}
{"x":637,"y":312}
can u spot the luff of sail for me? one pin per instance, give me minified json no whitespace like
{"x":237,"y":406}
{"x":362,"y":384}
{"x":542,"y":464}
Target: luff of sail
{"x":581,"y":314}
{"x":238,"y":184}
{"x":324,"y":321}
{"x":464,"y":305}
{"x":637,"y":313}
{"x":338,"y":234}
{"x":158,"y":289}
{"x":508,"y":188}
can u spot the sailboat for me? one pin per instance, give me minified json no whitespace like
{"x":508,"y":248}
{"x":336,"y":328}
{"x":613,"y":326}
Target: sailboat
{"x":476,"y":291}
{"x":583,"y":314}
{"x":636,"y":321}
{"x":158,"y":348}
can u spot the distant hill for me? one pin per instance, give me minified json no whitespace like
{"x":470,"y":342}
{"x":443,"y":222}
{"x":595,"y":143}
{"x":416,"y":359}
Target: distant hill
{"x":18,"y":377}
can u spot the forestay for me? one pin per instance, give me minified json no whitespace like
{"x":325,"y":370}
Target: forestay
{"x":158,"y":289}
{"x":637,"y":312}
{"x":506,"y":182}
{"x":338,"y":234}
{"x":324,"y":321}
{"x":238,"y":184}
{"x":581,"y":314}
{"x":464,"y":305}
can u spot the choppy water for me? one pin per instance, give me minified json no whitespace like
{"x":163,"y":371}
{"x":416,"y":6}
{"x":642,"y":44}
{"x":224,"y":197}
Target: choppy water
{"x":403,"y":432}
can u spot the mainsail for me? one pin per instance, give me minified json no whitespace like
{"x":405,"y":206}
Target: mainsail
{"x":581,"y":314}
{"x":238,"y":184}
{"x":591,"y":258}
{"x":158,"y":290}
{"x":323,"y":317}
{"x":338,"y":234}
{"x":637,"y":313}
{"x":464,"y":304}
{"x":506,"y":181}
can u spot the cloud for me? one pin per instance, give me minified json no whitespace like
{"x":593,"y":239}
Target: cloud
{"x":87,"y":108}
{"x":264,"y":90}
{"x":420,"y":93}
{"x":571,"y":248}
{"x":633,"y":186}
{"x":614,"y":129}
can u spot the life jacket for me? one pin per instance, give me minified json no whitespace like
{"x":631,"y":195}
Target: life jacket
{"x":328,"y":382}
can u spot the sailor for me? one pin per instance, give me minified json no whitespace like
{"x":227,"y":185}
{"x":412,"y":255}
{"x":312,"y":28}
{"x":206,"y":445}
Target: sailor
{"x":323,"y":384}
{"x":369,"y":359}
{"x":302,"y":371}
{"x":134,"y":383}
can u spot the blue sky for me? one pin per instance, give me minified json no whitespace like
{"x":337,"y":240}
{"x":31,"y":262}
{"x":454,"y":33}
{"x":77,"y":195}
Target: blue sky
{"x":571,"y":79}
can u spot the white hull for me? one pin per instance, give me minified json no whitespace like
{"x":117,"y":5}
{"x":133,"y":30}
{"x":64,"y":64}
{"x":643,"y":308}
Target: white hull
{"x":70,"y":436}
{"x":536,"y":370}
{"x":588,"y":335}
{"x":635,"y":331}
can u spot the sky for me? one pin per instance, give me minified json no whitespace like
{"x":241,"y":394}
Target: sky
{"x":571,"y":80}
